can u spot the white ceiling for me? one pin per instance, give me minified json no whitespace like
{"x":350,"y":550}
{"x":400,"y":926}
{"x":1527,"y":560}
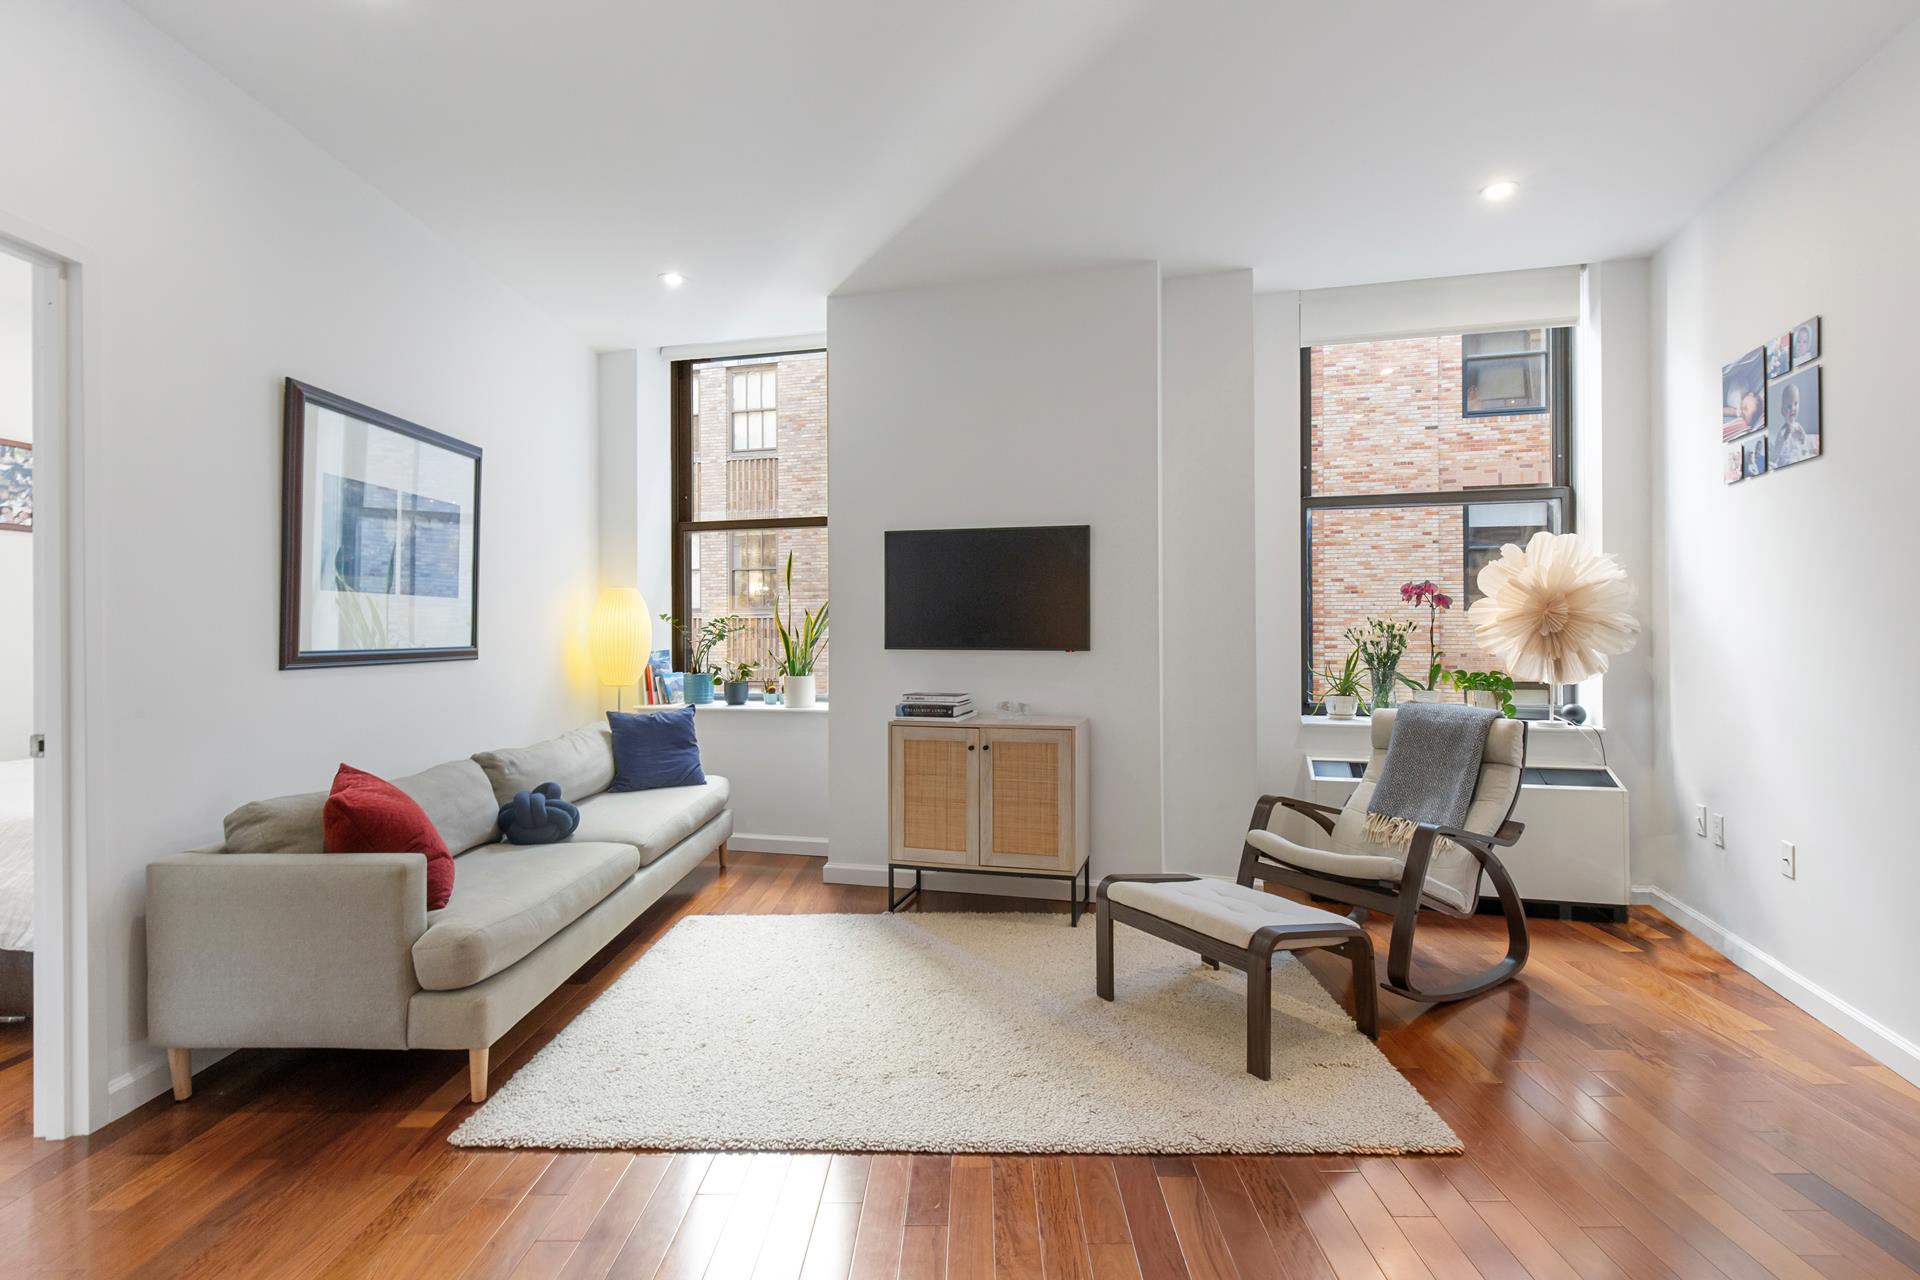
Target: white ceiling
{"x":776,"y":151}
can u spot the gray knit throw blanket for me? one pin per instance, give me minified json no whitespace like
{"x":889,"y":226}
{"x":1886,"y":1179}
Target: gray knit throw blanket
{"x":1433,"y":765}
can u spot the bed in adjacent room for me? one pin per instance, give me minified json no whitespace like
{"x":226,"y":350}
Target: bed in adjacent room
{"x":16,"y":888}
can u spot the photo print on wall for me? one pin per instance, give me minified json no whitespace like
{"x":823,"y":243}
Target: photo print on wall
{"x":1794,"y":409}
{"x":1806,"y":342}
{"x":1755,"y":450}
{"x":1743,"y":395}
{"x":1735,"y":469}
{"x":1780,"y":355}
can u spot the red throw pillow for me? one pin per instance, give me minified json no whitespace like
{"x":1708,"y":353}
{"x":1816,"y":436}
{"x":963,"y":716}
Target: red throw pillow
{"x":368,"y":814}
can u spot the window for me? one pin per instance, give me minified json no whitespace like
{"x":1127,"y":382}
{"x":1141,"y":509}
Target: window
{"x":1503,"y":373}
{"x":754,"y":560}
{"x":748,"y":492}
{"x":1421,"y":458}
{"x":752,"y":394}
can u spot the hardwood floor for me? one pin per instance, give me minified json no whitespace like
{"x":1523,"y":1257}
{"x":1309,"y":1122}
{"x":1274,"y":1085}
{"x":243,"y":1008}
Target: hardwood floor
{"x":1634,"y":1107}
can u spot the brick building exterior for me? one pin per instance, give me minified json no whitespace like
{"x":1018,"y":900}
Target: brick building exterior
{"x":760,"y":449}
{"x":1387,"y":417}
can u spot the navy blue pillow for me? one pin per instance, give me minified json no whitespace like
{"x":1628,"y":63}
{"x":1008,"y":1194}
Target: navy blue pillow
{"x":654,"y":749}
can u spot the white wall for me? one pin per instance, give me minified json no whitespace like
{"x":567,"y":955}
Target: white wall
{"x":1208,"y":690}
{"x":221,"y":253}
{"x":1033,"y":400}
{"x":16,"y":549}
{"x":776,"y":761}
{"x":1785,"y":616}
{"x":1612,"y":478}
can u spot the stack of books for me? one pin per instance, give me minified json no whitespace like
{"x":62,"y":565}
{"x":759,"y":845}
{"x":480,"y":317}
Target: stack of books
{"x":934,"y":706}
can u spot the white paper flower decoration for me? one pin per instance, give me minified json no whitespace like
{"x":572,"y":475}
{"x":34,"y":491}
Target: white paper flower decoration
{"x":1556,"y":611}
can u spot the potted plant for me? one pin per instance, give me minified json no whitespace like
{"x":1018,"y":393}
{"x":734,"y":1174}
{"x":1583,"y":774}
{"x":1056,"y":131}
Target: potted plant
{"x":1381,"y":645}
{"x":800,"y":646}
{"x":1342,"y":698}
{"x":1430,"y":597}
{"x":701,"y":669}
{"x":738,"y":684}
{"x":1485,"y":689}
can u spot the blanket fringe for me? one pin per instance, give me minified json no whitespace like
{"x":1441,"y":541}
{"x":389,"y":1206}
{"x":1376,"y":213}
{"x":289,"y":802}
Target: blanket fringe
{"x":1395,"y":833}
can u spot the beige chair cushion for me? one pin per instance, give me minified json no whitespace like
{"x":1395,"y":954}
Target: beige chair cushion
{"x":508,"y":899}
{"x":1224,"y":910}
{"x":580,"y":761}
{"x":454,"y":795}
{"x":1453,"y":875}
{"x":652,"y":821}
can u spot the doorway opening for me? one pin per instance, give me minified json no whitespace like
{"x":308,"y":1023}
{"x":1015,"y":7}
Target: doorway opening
{"x":17,"y":770}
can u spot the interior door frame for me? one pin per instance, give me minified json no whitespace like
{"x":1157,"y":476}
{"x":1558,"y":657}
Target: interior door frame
{"x":62,"y":1084}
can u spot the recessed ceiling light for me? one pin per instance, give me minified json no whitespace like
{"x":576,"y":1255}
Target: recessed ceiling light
{"x":1501,"y":190}
{"x":672,"y":279}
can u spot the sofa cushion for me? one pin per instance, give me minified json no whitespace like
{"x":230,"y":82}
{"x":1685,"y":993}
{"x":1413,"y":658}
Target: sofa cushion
{"x":655,"y":749}
{"x":652,"y":821}
{"x":513,"y":898}
{"x":456,"y":795}
{"x":460,"y":802}
{"x":367,"y":814}
{"x":580,"y":761}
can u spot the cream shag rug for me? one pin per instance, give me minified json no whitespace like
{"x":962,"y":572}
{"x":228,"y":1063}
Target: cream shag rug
{"x":947,"y":1032}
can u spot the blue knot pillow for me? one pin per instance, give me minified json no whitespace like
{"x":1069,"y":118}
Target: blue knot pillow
{"x":654,"y":749}
{"x":538,"y":816}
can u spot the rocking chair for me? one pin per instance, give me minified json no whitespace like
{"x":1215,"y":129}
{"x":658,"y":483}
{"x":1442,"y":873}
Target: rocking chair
{"x":1440,"y":870}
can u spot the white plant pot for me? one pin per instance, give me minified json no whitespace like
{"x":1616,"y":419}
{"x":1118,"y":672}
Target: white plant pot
{"x":1426,"y":695}
{"x":1481,"y":698}
{"x":799,"y":691}
{"x":1342,"y":706}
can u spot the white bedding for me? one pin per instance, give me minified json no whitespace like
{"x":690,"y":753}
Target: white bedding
{"x":16,"y":855}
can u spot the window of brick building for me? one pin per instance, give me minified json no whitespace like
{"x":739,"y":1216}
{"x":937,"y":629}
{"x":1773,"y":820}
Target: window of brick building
{"x":752,"y":395}
{"x":1421,"y":458}
{"x":750,"y":487}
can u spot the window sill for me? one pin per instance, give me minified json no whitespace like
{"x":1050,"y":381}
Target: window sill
{"x":761,"y":708}
{"x":1533,"y":726}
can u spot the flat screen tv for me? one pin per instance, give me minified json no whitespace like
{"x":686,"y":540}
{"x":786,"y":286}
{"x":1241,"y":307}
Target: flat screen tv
{"x":988,"y":588}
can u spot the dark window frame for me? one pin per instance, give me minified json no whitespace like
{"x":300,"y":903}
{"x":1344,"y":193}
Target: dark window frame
{"x":680,"y":398}
{"x":1559,"y":354}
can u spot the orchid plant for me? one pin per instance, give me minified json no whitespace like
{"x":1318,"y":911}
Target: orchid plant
{"x":1425,"y":595}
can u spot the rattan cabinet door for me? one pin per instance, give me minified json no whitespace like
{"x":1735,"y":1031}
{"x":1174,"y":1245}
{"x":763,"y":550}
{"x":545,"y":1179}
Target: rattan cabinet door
{"x":1026,"y":799}
{"x":933,"y":797}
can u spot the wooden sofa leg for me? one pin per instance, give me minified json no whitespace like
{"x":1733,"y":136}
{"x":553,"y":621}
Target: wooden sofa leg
{"x":723,"y":854}
{"x":477,"y":1074}
{"x":180,"y":1067}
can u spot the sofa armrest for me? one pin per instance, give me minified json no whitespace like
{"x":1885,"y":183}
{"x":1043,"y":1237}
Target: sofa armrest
{"x":286,"y":950}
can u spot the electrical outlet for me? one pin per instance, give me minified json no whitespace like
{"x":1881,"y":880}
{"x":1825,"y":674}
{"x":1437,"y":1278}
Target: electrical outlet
{"x":1700,"y":820}
{"x":1720,"y":829}
{"x":1789,"y":859}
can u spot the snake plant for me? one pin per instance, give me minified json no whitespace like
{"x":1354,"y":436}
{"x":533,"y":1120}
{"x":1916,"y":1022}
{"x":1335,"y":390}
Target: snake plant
{"x":800,"y":646}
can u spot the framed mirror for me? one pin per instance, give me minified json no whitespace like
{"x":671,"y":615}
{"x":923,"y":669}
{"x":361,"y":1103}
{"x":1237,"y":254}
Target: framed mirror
{"x":380,"y":540}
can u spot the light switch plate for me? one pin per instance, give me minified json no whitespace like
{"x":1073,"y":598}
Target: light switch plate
{"x":1700,"y":820}
{"x":1789,"y":859}
{"x":1720,"y":829}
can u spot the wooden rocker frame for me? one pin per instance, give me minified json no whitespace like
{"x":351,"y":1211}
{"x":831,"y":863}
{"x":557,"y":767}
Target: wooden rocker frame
{"x":1404,"y":901}
{"x":1255,"y":960}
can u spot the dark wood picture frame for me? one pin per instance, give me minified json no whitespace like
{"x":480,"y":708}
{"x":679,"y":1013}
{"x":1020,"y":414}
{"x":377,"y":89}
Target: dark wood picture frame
{"x":293,"y":449}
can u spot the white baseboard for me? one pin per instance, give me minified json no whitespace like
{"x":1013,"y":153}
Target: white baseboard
{"x":807,"y":846}
{"x":149,"y":1079}
{"x":946,"y":881}
{"x":1861,"y":1029}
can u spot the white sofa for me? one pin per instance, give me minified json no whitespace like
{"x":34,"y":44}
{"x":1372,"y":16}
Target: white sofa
{"x":266,"y":941}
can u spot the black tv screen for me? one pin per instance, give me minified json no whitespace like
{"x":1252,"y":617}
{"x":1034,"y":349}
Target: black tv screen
{"x":988,"y":588}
